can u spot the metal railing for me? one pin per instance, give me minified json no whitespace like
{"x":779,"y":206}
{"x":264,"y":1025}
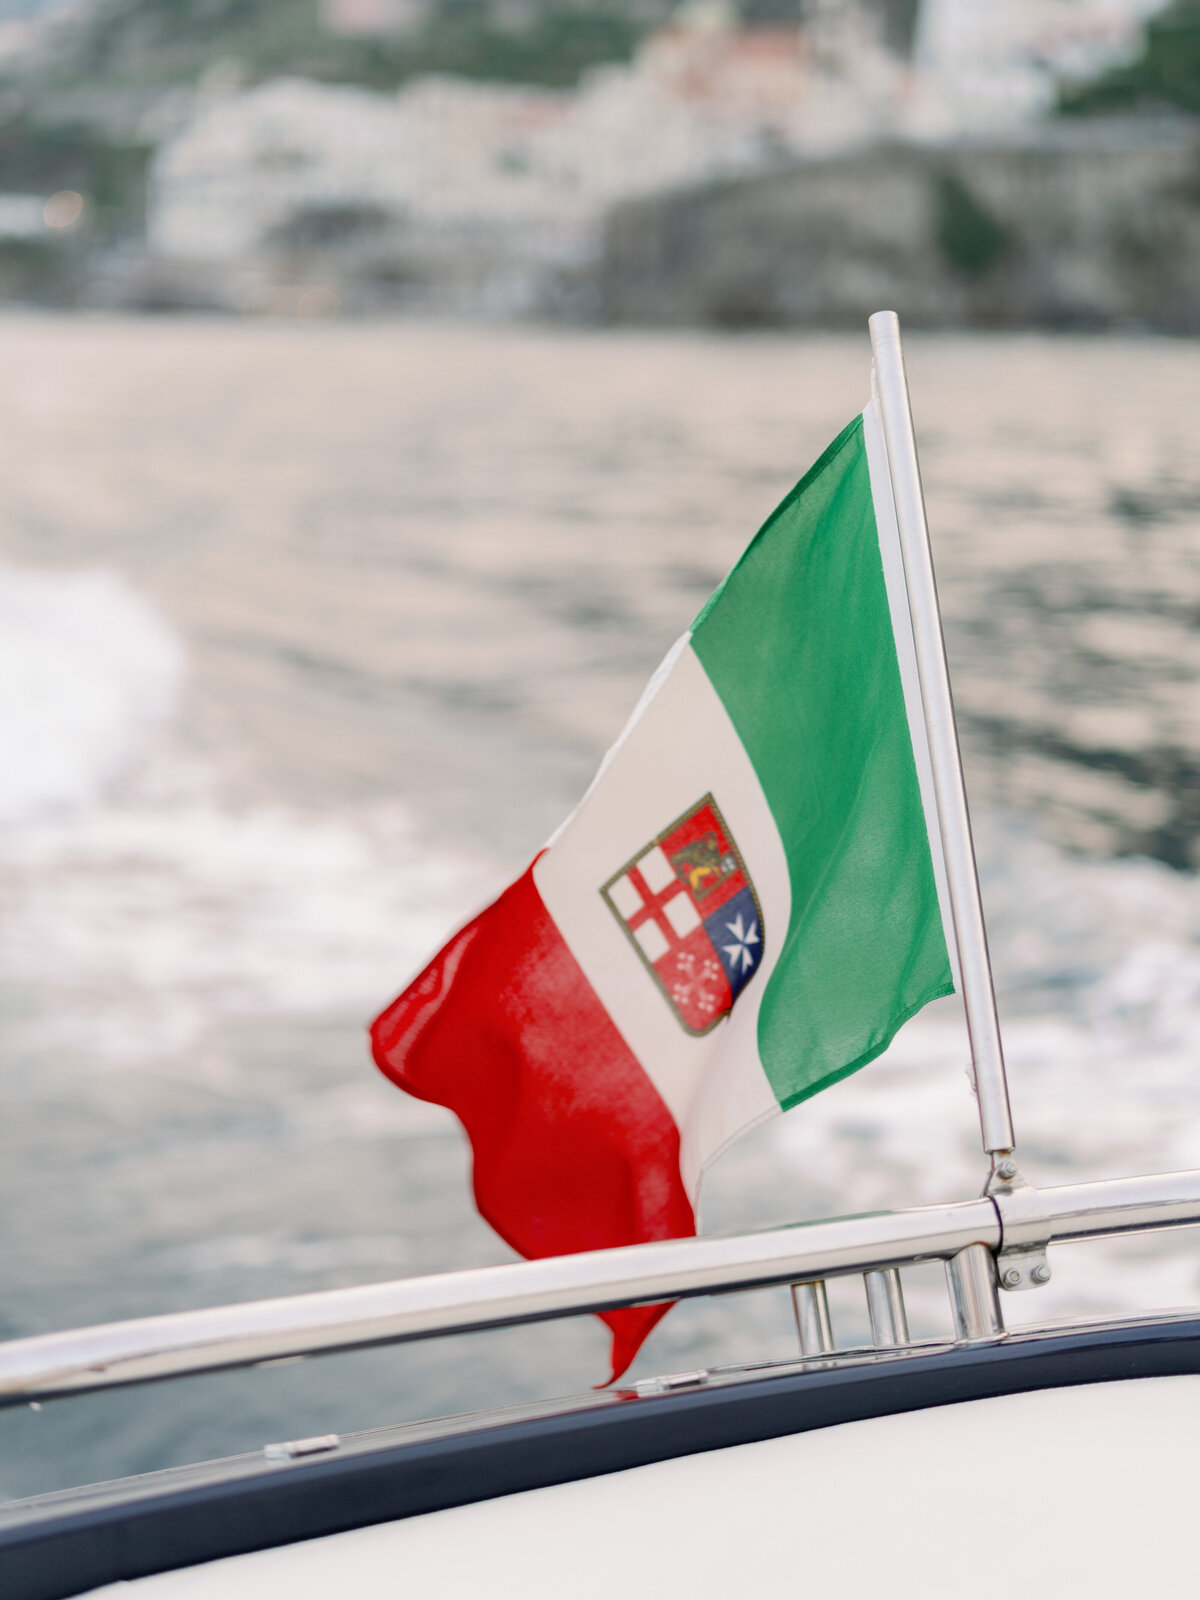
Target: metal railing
{"x":966,"y":1236}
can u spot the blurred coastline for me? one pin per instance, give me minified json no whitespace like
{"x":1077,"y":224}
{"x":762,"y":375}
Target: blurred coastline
{"x":763,"y":163}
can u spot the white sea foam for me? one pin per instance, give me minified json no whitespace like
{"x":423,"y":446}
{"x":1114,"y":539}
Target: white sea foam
{"x":150,"y":921}
{"x":136,"y":914}
{"x":88,"y":672}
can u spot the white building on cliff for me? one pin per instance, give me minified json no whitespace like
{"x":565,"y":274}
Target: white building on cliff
{"x":485,"y":193}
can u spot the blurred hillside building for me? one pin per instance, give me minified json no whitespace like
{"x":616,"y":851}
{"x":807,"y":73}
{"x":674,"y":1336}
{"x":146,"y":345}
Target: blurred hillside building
{"x":493,"y":196}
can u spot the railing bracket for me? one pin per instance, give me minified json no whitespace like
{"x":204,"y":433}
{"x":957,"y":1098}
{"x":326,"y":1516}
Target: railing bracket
{"x":1025,"y":1228}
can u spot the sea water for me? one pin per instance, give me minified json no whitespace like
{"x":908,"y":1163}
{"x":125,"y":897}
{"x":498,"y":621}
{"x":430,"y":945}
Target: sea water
{"x":310,"y":635}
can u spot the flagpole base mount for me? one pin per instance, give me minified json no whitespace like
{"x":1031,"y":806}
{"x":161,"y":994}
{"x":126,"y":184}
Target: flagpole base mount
{"x":1021,"y":1261}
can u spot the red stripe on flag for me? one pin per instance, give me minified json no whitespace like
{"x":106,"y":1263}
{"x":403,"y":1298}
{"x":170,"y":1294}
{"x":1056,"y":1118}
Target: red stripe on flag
{"x":574,"y":1148}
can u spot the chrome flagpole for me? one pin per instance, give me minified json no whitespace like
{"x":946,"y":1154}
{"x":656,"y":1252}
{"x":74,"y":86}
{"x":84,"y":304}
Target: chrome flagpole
{"x":970,"y":935}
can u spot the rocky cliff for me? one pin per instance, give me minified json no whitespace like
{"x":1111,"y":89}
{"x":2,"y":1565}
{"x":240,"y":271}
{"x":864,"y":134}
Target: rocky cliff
{"x":1081,"y":227}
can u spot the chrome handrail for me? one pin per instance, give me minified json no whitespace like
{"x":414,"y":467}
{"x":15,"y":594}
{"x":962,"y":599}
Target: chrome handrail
{"x":1123,"y":1205}
{"x":184,"y":1342}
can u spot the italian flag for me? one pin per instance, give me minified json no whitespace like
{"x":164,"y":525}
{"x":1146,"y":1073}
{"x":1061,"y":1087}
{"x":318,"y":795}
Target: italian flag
{"x":747,"y":904}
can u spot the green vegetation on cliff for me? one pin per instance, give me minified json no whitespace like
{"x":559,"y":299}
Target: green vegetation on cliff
{"x":972,"y":240}
{"x":138,"y":47}
{"x":43,"y":157}
{"x":1165,"y":76}
{"x":148,"y":44}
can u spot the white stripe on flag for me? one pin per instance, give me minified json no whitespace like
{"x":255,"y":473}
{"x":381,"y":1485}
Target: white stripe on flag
{"x":680,"y":746}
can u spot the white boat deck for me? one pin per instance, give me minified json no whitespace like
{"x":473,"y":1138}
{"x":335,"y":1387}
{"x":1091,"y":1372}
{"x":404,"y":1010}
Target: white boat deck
{"x":1087,"y":1491}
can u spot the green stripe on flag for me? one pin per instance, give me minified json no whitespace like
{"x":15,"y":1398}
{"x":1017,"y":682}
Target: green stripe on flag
{"x":798,"y":644}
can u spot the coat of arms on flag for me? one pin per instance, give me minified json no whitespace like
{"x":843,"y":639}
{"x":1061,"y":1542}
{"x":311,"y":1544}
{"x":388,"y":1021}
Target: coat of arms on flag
{"x":689,"y":909}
